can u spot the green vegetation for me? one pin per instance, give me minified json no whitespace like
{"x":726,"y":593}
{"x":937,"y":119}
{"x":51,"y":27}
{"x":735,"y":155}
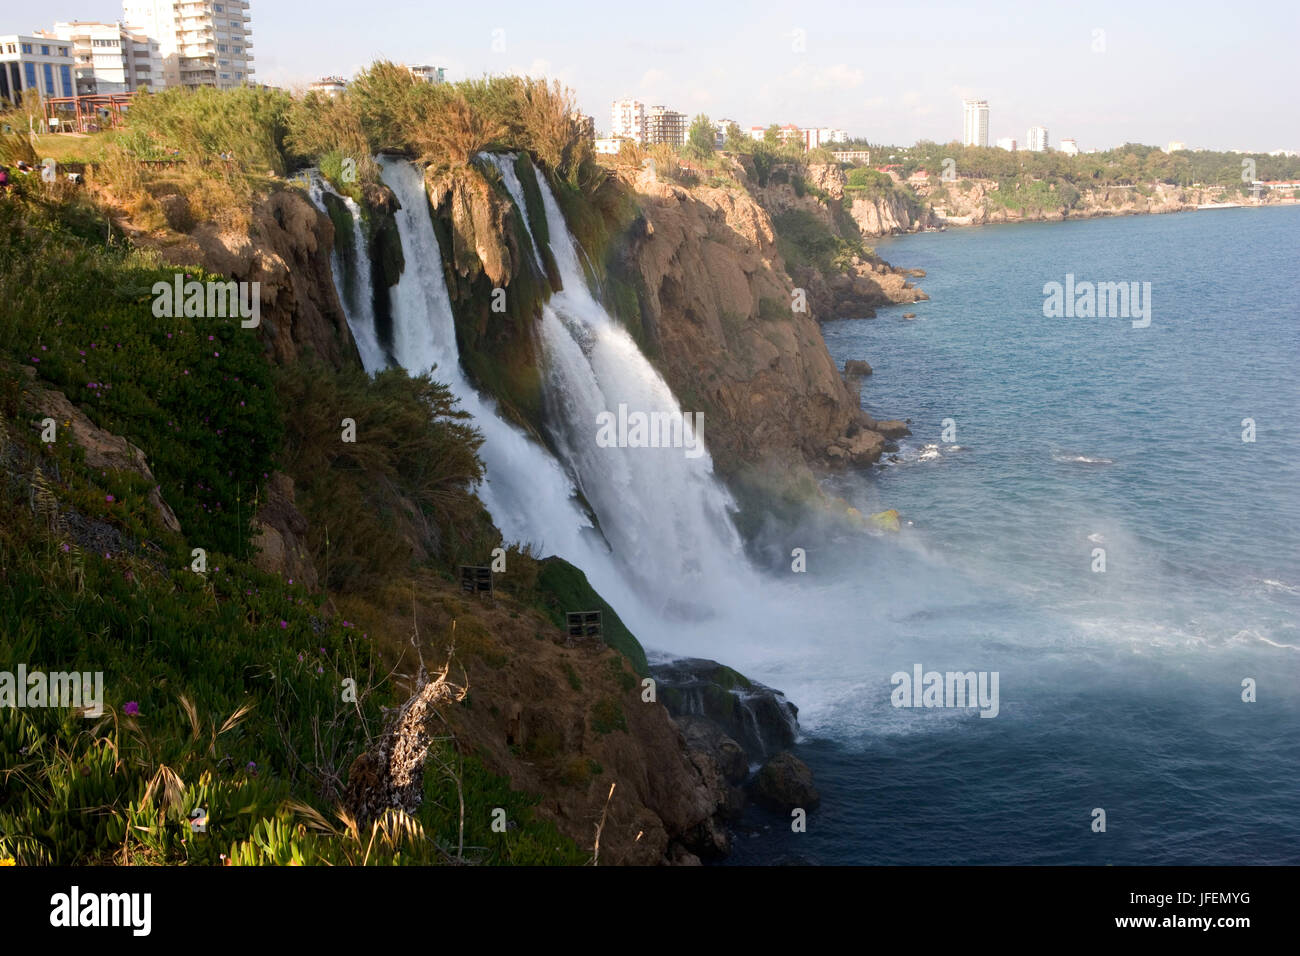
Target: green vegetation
{"x":1126,"y":165}
{"x":607,"y":716}
{"x":410,"y":437}
{"x":78,"y":311}
{"x":1025,"y":197}
{"x":699,"y":140}
{"x":805,"y":240}
{"x":223,"y":690}
{"x":447,"y":124}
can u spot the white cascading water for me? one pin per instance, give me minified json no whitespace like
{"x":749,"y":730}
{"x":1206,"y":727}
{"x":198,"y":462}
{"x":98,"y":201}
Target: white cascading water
{"x":358,"y":302}
{"x":526,"y":491}
{"x":665,"y":515}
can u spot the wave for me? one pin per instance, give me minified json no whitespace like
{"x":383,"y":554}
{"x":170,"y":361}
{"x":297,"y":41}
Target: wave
{"x":1076,"y":459}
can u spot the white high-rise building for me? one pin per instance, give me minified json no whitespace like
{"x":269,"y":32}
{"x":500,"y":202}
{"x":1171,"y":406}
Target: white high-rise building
{"x":111,"y":58}
{"x":1036,"y":139}
{"x":975,"y":122}
{"x":201,"y":42}
{"x":1069,"y":147}
{"x":627,"y":120}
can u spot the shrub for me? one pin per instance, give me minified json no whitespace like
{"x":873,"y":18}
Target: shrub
{"x":405,"y":483}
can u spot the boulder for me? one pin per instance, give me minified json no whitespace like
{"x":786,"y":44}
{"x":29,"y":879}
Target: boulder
{"x":893,"y":428}
{"x":856,"y":368}
{"x":280,"y":535}
{"x":784,"y":783}
{"x":759,"y":719}
{"x":705,"y":735}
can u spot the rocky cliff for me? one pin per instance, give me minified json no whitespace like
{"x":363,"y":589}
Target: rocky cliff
{"x":286,"y":250}
{"x":973,"y":202}
{"x":731,"y":337}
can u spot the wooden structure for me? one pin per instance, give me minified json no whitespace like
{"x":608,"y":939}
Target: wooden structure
{"x":86,"y":114}
{"x":584,"y":625}
{"x":475,"y":579}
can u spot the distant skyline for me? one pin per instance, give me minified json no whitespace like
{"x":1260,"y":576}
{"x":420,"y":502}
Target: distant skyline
{"x":1196,"y":72}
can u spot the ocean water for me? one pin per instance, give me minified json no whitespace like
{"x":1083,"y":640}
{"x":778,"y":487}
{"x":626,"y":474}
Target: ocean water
{"x":1119,"y":689}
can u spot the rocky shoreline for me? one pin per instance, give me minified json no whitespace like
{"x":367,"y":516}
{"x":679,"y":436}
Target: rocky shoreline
{"x":977,"y":202}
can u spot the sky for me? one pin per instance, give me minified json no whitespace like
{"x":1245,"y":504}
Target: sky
{"x":1209,"y":74}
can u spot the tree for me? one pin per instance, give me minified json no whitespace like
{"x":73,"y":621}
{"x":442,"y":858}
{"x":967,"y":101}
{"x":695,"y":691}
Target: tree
{"x":701,"y":136}
{"x":772,"y":135}
{"x":737,"y":140}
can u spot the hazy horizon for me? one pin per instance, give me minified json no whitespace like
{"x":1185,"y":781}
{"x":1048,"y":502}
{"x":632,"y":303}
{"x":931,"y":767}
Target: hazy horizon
{"x":1114,"y":74}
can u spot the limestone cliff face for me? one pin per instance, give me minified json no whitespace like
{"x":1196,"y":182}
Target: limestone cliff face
{"x":973,"y":202}
{"x":718,"y":305}
{"x":867,"y":282}
{"x":485,"y":248}
{"x":887,"y":216}
{"x":286,"y":249}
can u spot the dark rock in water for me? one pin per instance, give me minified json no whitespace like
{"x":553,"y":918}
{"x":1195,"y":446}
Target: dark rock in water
{"x":758,"y":718}
{"x":733,"y":807}
{"x":893,"y":429}
{"x":678,"y":855}
{"x":701,"y":733}
{"x":784,"y":783}
{"x":856,"y":368}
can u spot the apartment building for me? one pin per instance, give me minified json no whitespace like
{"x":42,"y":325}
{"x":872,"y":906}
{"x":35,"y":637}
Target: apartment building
{"x":663,"y":125}
{"x":720,"y":129}
{"x":975,"y":122}
{"x":1036,"y":139}
{"x":200,"y":42}
{"x":110,"y":57}
{"x":854,"y":156}
{"x":429,"y":74}
{"x":36,"y":62}
{"x":330,"y":86}
{"x":1008,"y":143}
{"x":627,"y":120}
{"x":808,"y":137}
{"x":1069,"y":147}
{"x":815,"y":137}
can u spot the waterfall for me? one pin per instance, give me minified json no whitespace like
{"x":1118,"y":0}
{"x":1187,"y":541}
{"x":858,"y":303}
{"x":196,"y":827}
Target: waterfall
{"x":666,"y":554}
{"x":356,"y":296}
{"x":666,"y":516}
{"x":527,"y":492}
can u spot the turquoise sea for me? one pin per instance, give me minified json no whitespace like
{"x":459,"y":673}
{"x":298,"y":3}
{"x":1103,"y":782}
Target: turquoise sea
{"x":1068,"y":440}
